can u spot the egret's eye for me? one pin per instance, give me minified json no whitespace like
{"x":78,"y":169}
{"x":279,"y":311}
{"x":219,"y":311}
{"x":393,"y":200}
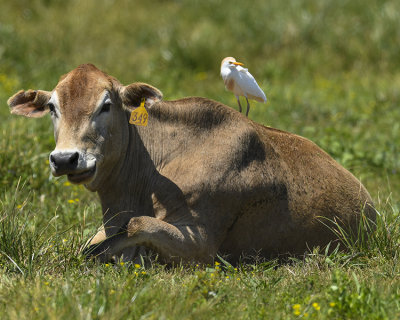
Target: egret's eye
{"x":106,"y":107}
{"x":52,"y":108}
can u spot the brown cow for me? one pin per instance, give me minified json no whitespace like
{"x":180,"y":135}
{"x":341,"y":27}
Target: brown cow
{"x":200,"y":179}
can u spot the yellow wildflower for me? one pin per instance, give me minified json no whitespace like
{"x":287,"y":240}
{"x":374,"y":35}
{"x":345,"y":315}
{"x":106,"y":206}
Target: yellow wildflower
{"x":64,"y":240}
{"x":67,"y":183}
{"x":217,"y":263}
{"x":143,"y":272}
{"x":332,"y":304}
{"x":112,"y":291}
{"x":316,"y":306}
{"x":296,"y":309}
{"x":107,"y":265}
{"x":76,"y":200}
{"x":137,"y":266}
{"x":46,"y":283}
{"x":71,"y":201}
{"x":296,"y":306}
{"x":122,"y":263}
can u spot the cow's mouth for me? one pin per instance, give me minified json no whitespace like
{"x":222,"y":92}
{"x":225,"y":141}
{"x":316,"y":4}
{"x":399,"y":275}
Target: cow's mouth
{"x":83,"y":176}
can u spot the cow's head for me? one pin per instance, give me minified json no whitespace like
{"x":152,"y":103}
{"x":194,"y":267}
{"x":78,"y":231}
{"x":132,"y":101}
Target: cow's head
{"x":90,"y":113}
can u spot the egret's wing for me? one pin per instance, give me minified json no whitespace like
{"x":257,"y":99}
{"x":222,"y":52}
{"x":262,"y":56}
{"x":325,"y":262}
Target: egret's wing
{"x":249,"y":85}
{"x":241,"y":69}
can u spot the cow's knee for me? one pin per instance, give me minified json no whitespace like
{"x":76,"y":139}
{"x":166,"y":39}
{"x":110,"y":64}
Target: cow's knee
{"x":173,"y":242}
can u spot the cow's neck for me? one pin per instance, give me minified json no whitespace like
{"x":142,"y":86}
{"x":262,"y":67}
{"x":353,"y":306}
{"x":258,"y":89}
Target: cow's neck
{"x":139,"y":176}
{"x":128,"y":191}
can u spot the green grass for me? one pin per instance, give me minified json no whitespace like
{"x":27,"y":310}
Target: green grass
{"x":331,"y":72}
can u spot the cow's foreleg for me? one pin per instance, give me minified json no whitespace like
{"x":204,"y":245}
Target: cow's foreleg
{"x":173,"y":243}
{"x":128,"y":254}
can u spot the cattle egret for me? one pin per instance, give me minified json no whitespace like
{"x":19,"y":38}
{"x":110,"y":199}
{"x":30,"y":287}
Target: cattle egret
{"x":240,"y":81}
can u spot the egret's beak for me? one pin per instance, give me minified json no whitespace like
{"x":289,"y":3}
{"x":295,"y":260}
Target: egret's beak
{"x":238,"y":63}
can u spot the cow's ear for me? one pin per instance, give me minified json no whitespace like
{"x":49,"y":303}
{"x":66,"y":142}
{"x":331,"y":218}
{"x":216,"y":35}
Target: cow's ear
{"x":31,"y":103}
{"x":133,"y":94}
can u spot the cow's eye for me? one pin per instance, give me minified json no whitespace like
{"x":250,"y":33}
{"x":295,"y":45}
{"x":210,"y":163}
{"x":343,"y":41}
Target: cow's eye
{"x":51,"y":108}
{"x":106,"y":107}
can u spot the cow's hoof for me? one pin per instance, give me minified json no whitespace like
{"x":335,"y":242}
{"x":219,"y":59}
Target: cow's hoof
{"x":97,"y":252}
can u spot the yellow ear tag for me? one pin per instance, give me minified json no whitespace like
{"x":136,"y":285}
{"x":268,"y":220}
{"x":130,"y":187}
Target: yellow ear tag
{"x":139,"y":116}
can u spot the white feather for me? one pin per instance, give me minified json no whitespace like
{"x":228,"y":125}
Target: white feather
{"x":244,"y":83}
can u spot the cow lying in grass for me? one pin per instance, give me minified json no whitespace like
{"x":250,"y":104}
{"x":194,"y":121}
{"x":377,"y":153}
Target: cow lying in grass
{"x":199,"y":180}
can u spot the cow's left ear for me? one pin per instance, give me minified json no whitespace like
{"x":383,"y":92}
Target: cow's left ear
{"x":133,"y":94}
{"x":31,"y":103}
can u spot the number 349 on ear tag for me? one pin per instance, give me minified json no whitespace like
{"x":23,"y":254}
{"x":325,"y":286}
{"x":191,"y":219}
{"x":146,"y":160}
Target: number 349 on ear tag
{"x":139,"y":116}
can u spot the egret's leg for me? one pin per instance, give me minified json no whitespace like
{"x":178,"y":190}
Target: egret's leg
{"x":240,"y":107}
{"x":248,"y":107}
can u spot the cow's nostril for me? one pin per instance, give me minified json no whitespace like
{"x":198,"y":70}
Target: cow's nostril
{"x":53,"y":160}
{"x":74,"y":158}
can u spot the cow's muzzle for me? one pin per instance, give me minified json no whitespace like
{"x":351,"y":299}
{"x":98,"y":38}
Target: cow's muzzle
{"x":73,"y":164}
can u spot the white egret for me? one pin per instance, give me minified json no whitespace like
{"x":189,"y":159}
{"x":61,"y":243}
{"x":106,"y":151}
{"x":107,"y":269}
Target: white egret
{"x":240,"y":81}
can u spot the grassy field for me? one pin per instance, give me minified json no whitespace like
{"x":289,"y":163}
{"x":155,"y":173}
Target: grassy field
{"x":331,"y":72}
